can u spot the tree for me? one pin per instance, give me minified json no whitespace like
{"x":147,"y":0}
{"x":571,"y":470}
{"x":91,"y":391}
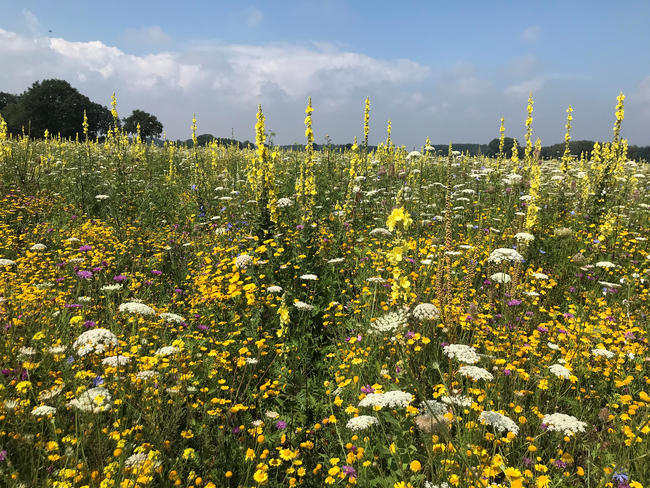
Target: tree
{"x":6,"y":99}
{"x":149,"y":124}
{"x":55,"y":106}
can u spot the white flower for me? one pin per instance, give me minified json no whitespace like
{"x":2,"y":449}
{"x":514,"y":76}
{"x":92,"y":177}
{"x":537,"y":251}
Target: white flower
{"x":136,"y":459}
{"x":560,"y":422}
{"x":605,"y":264}
{"x":166,"y":351}
{"x":5,"y":263}
{"x":524,"y":236}
{"x":309,"y":277}
{"x":603,"y":353}
{"x":413,"y":154}
{"x":43,"y":411}
{"x":505,"y":254}
{"x":48,"y":394}
{"x":501,"y":278}
{"x":428,"y":484}
{"x":94,"y":400}
{"x":243,"y":261}
{"x":116,"y":361}
{"x":361,"y":422}
{"x":460,"y":400}
{"x":560,"y":371}
{"x":335,"y":260}
{"x":283,"y":202}
{"x":272,"y":414}
{"x":389,"y":322}
{"x":475,"y":373}
{"x":426,"y":311}
{"x":44,"y":285}
{"x":553,"y":346}
{"x":275,"y":289}
{"x":114,"y":287}
{"x":380,"y":231}
{"x":171,"y":317}
{"x":252,"y":361}
{"x":376,"y":279}
{"x":540,"y":276}
{"x":72,"y":239}
{"x":390,"y":399}
{"x":10,"y":404}
{"x":57,"y":349}
{"x":434,"y":408}
{"x":94,"y":340}
{"x":38,"y":247}
{"x":461,"y":352}
{"x":101,"y":197}
{"x":27,"y":351}
{"x":146,"y":374}
{"x":303,"y":306}
{"x":512,"y":179}
{"x":499,"y":421}
{"x":135,"y":307}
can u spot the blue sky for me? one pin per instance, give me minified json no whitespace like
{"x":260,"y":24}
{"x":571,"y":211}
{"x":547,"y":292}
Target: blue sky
{"x":447,"y":70}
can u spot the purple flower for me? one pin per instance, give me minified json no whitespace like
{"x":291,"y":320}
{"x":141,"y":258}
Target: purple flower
{"x":507,"y":372}
{"x":620,"y":478}
{"x":178,"y":290}
{"x":514,"y":302}
{"x":350,"y":471}
{"x":119,"y":278}
{"x":85,"y":248}
{"x":300,"y":226}
{"x":84,"y":274}
{"x":89,"y":323}
{"x":3,"y":455}
{"x":156,"y":272}
{"x":97,"y":269}
{"x":560,"y":464}
{"x":98,"y":380}
{"x":148,"y":282}
{"x":280,"y":425}
{"x":202,"y":327}
{"x":542,"y":329}
{"x":367,"y":389}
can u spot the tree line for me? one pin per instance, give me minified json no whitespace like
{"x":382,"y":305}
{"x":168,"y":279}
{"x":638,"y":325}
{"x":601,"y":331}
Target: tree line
{"x":54,"y":105}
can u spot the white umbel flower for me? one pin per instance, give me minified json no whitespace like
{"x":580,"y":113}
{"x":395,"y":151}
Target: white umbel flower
{"x":171,"y":317}
{"x":475,"y":373}
{"x":390,"y":399}
{"x":38,"y":247}
{"x":389,"y":322}
{"x":94,"y":400}
{"x":43,"y":411}
{"x":48,"y":394}
{"x":309,"y":277}
{"x":5,"y":263}
{"x":361,"y":422}
{"x":566,"y":424}
{"x":462,"y":353}
{"x":605,"y":264}
{"x":283,"y":202}
{"x":275,"y":289}
{"x":94,"y":340}
{"x":380,"y":231}
{"x":114,"y":287}
{"x":306,"y":307}
{"x":459,"y":400}
{"x":434,"y":408}
{"x":426,"y":311}
{"x":243,"y":261}
{"x":115,"y":361}
{"x":501,"y":278}
{"x":166,"y":351}
{"x":524,"y":237}
{"x":505,"y":254}
{"x":135,"y":307}
{"x":499,"y":421}
{"x":560,"y":371}
{"x":604,"y":353}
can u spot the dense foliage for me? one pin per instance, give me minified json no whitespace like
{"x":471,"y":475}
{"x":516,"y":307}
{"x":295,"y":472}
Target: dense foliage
{"x":215,"y":316}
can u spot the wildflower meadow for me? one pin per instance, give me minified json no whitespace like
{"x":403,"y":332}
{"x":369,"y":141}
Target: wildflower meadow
{"x":176,"y":315}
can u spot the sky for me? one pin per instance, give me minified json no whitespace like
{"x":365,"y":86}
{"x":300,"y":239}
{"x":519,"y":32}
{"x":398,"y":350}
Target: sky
{"x":444,"y":70}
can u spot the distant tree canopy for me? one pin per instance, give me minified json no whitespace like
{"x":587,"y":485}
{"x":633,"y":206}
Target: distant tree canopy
{"x":205,"y":139}
{"x":56,"y":106}
{"x":150,"y":127}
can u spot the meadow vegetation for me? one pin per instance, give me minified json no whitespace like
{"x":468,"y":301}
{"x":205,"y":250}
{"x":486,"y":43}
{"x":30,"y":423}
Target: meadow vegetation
{"x":225,"y":317}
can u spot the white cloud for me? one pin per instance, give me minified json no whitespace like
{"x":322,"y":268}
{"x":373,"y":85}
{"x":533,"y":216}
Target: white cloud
{"x":525,"y":87}
{"x":254,"y":17}
{"x":152,"y":36}
{"x":31,"y":21}
{"x":531,"y":33}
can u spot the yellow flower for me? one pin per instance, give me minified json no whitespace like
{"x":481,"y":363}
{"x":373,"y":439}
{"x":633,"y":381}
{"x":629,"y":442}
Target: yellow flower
{"x":250,"y":455}
{"x":399,"y":215}
{"x":415,"y":466}
{"x":542,"y":482}
{"x":260,"y":476}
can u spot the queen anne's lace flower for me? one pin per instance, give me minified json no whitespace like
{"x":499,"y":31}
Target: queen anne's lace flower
{"x":459,"y":401}
{"x":389,"y":322}
{"x":361,"y":422}
{"x":603,"y":353}
{"x":380,"y":231}
{"x":115,"y":361}
{"x":283,"y":202}
{"x":306,"y":307}
{"x":390,"y":399}
{"x":505,"y":254}
{"x":38,"y":247}
{"x":434,"y":408}
{"x":499,"y":421}
{"x":426,"y":311}
{"x":43,"y":411}
{"x":5,"y":263}
{"x":560,"y":371}
{"x":94,"y":340}
{"x":501,"y":278}
{"x":461,"y":352}
{"x":524,"y":237}
{"x":166,"y":351}
{"x":94,"y":400}
{"x":136,"y":307}
{"x":560,"y":422}
{"x":475,"y":373}
{"x":172,"y":317}
{"x":243,"y":261}
{"x":275,"y":289}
